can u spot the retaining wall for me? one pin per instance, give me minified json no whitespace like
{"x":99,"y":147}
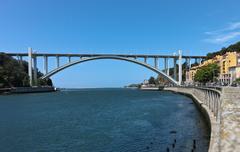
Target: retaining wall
{"x":222,"y":111}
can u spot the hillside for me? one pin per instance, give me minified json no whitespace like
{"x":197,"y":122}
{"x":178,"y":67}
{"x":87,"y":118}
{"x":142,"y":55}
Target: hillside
{"x":14,"y":74}
{"x":232,"y":48}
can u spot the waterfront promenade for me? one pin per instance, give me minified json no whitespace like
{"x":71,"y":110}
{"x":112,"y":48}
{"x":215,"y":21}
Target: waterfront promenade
{"x":222,"y":110}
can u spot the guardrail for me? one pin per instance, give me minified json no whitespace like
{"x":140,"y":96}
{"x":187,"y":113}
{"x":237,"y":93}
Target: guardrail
{"x":211,"y":98}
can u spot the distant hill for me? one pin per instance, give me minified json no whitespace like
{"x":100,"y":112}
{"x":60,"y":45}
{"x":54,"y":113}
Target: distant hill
{"x":232,"y":48}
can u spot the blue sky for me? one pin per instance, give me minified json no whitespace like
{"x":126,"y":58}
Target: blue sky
{"x":116,"y":26}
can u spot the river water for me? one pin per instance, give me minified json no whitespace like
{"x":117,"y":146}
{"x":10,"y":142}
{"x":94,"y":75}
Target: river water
{"x":101,"y":120}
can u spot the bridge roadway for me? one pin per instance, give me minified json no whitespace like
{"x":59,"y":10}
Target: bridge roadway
{"x":95,"y":55}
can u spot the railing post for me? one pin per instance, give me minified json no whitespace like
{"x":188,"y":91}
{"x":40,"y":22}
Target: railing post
{"x":218,"y":108}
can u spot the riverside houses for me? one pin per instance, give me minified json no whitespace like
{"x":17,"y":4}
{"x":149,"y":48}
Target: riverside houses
{"x":229,"y":68}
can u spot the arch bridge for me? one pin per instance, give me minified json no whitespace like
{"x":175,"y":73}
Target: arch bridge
{"x":140,"y":59}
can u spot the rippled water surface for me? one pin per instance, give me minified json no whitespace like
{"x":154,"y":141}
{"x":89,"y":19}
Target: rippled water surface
{"x":101,"y":120}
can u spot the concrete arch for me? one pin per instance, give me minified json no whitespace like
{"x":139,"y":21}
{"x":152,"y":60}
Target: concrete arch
{"x":110,"y":57}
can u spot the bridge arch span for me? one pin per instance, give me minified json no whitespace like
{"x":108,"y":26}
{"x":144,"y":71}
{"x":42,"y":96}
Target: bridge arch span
{"x":51,"y":73}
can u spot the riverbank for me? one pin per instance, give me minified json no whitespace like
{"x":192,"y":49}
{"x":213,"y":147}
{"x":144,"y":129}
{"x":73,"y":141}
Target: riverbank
{"x":20,"y":90}
{"x":210,"y":119}
{"x":223,"y":116}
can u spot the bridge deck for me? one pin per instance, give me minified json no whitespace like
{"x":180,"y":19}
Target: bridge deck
{"x":95,"y":55}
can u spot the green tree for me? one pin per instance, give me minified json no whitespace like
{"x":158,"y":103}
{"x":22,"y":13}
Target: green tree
{"x":237,"y":80}
{"x":207,"y":73}
{"x":15,"y":74}
{"x":151,"y":80}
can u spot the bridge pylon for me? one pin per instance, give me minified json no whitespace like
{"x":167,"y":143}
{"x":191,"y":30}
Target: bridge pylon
{"x":30,"y":66}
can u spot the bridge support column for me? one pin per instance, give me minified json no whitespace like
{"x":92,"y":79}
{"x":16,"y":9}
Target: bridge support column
{"x":57,"y":58}
{"x":35,"y":71}
{"x":18,"y":58}
{"x":188,"y":67}
{"x":45,"y":65}
{"x":175,"y":69}
{"x":200,"y":61}
{"x":30,"y":66}
{"x":166,"y":69}
{"x":145,"y":60}
{"x":156,"y":63}
{"x":196,"y":60}
{"x":168,"y":73}
{"x":69,"y":59}
{"x":180,"y":68}
{"x":189,"y":63}
{"x":21,"y":59}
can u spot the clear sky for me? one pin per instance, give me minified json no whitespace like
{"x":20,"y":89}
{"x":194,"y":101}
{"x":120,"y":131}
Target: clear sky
{"x":116,"y":26}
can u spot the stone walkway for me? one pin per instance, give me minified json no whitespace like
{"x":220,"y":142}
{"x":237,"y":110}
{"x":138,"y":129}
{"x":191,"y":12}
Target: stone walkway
{"x":230,"y":120}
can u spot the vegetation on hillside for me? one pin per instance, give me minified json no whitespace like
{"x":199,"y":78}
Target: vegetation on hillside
{"x":208,"y":73}
{"x":232,"y":48}
{"x":15,"y":74}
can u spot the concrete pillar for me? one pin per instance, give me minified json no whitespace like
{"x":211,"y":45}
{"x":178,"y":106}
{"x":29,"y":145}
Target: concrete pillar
{"x":180,"y":67}
{"x":190,"y":63}
{"x":35,"y":71}
{"x":30,"y":66}
{"x":165,"y":65}
{"x":18,"y":59}
{"x":168,"y":73}
{"x":69,"y":59}
{"x":175,"y":68}
{"x":58,"y":64}
{"x":45,"y":65}
{"x":156,"y":62}
{"x":21,"y":59}
{"x":145,"y":60}
{"x":200,"y":61}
